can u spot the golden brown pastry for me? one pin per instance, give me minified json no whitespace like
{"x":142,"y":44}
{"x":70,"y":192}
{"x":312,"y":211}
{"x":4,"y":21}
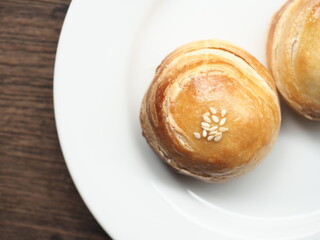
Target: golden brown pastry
{"x":293,"y":53}
{"x":211,"y":111}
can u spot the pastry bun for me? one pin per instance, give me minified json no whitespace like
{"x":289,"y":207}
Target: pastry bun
{"x":211,"y":111}
{"x":293,"y":53}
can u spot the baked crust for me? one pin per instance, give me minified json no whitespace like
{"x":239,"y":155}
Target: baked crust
{"x":293,"y":54}
{"x":189,"y":81}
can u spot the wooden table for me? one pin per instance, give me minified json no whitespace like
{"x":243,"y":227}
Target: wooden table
{"x":38,"y":199}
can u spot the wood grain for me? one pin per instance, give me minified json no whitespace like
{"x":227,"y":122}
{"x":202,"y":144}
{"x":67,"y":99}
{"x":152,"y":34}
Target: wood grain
{"x":38,"y":199}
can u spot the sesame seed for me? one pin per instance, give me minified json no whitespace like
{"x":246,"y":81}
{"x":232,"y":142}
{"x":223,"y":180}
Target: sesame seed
{"x":223,"y":121}
{"x":204,"y":124}
{"x":206,"y":119}
{"x":197,"y":135}
{"x":215,"y":118}
{"x":213,"y":110}
{"x":213,"y":133}
{"x":223,"y":112}
{"x":207,"y":114}
{"x":210,"y":138}
{"x":205,"y":128}
{"x":223,"y":129}
{"x":213,"y":128}
{"x":204,"y":133}
{"x":217,"y":139}
{"x":218,"y":134}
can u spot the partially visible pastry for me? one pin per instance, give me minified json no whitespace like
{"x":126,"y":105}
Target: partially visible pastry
{"x":293,"y":53}
{"x":211,"y":111}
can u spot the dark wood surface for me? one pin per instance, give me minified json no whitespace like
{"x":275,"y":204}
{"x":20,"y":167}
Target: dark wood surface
{"x":38,"y":199}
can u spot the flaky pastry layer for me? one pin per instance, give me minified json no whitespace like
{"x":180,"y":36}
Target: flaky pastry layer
{"x":293,"y":54}
{"x":216,"y":80}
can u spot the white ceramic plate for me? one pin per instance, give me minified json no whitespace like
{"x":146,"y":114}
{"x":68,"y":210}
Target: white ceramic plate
{"x":107,"y":55}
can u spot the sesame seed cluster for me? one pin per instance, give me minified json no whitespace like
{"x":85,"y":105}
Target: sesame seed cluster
{"x":212,"y":126}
